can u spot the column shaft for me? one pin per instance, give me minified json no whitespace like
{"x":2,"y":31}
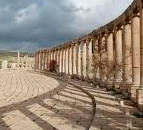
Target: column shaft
{"x":110,"y":59}
{"x":79,"y":60}
{"x":118,"y":58}
{"x":84,"y":59}
{"x":74,"y":58}
{"x":135,"y":23}
{"x":127,"y":54}
{"x":96,"y":59}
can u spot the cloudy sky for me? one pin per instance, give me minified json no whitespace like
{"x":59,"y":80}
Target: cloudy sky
{"x":28,"y":25}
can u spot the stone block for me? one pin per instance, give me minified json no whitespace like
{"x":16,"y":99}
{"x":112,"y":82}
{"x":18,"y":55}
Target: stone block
{"x":139,"y":96}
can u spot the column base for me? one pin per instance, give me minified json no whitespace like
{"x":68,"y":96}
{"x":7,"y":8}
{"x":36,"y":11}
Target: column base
{"x":110,"y":85}
{"x":117,"y":84}
{"x":139,"y":96}
{"x":133,"y":90}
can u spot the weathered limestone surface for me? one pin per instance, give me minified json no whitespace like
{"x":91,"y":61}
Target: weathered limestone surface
{"x":32,"y":101}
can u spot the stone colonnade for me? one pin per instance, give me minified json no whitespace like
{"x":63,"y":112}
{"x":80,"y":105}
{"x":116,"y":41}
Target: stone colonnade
{"x":111,"y":56}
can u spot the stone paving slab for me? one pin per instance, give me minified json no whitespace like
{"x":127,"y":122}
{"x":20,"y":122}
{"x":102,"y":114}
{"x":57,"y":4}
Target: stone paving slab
{"x":32,"y":101}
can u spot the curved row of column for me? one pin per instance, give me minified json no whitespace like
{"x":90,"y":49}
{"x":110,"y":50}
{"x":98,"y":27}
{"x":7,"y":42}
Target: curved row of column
{"x":111,"y":55}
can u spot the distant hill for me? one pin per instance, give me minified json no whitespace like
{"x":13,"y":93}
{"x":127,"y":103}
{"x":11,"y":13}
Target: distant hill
{"x":14,"y":54}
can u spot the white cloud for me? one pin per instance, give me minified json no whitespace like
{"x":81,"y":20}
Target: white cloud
{"x":89,"y":3}
{"x":42,"y":23}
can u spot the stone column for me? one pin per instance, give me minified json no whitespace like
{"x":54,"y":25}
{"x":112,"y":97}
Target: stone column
{"x":67,"y":60}
{"x":135,"y":22}
{"x":48,"y":59}
{"x":35,"y":61}
{"x":103,"y":59}
{"x":127,"y":56}
{"x":90,"y":52}
{"x":41,"y":64}
{"x":74,"y":58}
{"x":110,"y":59}
{"x":140,"y":89}
{"x":64,"y":60}
{"x":118,"y":58}
{"x":96,"y":59}
{"x":70,"y":60}
{"x":84,"y":58}
{"x":79,"y":60}
{"x":81,"y":57}
{"x":59,"y":70}
{"x":41,"y":60}
{"x":52,"y":54}
{"x":18,"y":58}
{"x":56,"y":59}
{"x":60,"y":62}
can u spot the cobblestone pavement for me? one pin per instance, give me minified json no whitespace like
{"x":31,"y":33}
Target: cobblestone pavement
{"x":30,"y":101}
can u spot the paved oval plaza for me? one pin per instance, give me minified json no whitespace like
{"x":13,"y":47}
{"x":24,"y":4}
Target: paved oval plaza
{"x":32,"y":101}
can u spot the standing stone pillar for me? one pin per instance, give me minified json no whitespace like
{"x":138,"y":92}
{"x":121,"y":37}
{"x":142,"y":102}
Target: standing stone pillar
{"x":79,"y":60}
{"x":96,"y":59}
{"x":136,"y":56}
{"x":58,"y":60}
{"x":90,"y":52}
{"x":52,"y":55}
{"x":43,"y":59}
{"x":39,"y":60}
{"x":70,"y":60}
{"x":100,"y":62}
{"x":81,"y":57}
{"x":84,"y":58}
{"x":67,"y":60}
{"x":18,"y":58}
{"x":46,"y":60}
{"x":140,"y":89}
{"x":74,"y":58}
{"x":87,"y":59}
{"x":36,"y":61}
{"x":127,"y":56}
{"x":118,"y":58}
{"x":49,"y":60}
{"x":110,"y":59}
{"x":63,"y":60}
{"x":103,"y":59}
